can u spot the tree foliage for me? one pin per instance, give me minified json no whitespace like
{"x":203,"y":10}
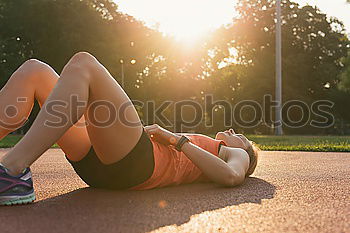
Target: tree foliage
{"x":53,"y":31}
{"x":233,"y":63}
{"x":313,"y":46}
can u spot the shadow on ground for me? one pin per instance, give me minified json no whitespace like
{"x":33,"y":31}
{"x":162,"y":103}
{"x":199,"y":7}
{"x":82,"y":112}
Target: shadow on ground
{"x":95,"y":210}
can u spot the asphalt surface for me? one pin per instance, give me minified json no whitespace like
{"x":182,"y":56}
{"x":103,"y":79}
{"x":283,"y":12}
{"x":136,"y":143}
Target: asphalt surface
{"x":289,"y":192}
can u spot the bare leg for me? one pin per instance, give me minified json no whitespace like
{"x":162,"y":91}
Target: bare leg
{"x":87,"y":80}
{"x":35,"y":80}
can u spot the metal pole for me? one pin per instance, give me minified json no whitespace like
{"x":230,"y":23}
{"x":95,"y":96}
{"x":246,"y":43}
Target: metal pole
{"x":278,"y":120}
{"x":122,"y":64}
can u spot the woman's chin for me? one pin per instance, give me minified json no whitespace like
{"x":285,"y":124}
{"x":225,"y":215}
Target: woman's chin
{"x":219,"y":136}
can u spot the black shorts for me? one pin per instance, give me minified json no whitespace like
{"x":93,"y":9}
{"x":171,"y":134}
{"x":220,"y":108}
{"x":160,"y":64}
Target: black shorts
{"x":135,"y":168}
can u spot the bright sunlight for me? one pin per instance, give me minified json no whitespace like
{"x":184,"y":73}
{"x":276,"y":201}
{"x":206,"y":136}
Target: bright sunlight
{"x":190,"y":20}
{"x":186,"y":20}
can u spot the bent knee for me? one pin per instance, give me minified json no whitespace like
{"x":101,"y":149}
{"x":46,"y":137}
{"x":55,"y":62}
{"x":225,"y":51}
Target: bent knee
{"x":80,"y":66}
{"x":34,"y":65}
{"x":83,"y":58}
{"x":32,"y":62}
{"x":83,"y":63}
{"x":34,"y":69}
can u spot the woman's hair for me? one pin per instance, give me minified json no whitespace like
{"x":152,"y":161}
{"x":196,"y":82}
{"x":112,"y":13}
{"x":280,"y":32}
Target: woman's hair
{"x":252,"y":151}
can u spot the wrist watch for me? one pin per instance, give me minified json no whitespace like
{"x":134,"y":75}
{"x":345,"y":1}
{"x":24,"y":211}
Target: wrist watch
{"x":181,"y":142}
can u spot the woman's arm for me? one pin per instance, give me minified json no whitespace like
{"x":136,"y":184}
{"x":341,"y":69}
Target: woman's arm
{"x":228,"y":173}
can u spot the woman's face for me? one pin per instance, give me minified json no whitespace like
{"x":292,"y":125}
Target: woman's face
{"x":232,"y":139}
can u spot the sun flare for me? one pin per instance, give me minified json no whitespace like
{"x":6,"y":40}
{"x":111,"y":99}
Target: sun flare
{"x":187,"y":20}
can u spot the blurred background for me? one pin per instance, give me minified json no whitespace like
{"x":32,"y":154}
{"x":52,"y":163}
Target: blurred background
{"x":185,"y":50}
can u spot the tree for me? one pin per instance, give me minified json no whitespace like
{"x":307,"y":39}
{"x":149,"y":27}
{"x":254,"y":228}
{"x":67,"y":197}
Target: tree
{"x":53,"y":31}
{"x":312,"y":48}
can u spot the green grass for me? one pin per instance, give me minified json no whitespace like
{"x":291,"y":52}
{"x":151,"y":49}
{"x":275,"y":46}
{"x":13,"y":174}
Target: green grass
{"x":302,"y":143}
{"x":265,"y":142}
{"x":11,"y":140}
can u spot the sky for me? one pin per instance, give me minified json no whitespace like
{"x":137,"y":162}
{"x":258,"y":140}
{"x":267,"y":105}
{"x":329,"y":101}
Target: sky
{"x":188,"y":19}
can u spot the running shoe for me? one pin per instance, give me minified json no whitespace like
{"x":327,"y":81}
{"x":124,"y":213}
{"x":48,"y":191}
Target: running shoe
{"x":16,"y":189}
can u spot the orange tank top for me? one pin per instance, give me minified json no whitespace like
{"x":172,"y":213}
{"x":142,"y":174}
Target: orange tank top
{"x":172,"y":167}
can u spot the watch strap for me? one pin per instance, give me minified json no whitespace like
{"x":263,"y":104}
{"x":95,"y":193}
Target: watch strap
{"x":181,"y":142}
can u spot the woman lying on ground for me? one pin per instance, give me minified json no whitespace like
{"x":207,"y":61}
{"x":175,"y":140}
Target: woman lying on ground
{"x":117,"y":156}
